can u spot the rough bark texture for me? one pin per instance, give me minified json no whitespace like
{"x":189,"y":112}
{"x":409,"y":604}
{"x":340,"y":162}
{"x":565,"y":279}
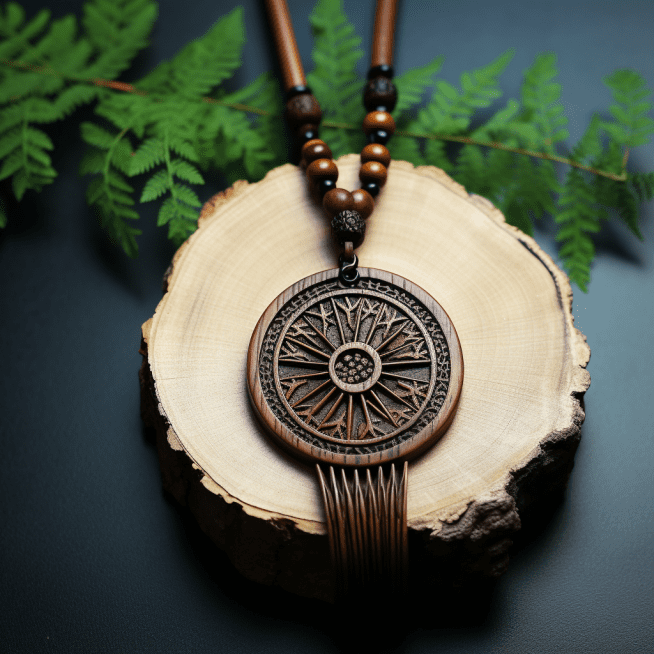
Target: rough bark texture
{"x":510,"y":448}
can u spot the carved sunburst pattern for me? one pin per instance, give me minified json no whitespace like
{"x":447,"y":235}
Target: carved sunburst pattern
{"x":355,"y":376}
{"x":357,"y":366}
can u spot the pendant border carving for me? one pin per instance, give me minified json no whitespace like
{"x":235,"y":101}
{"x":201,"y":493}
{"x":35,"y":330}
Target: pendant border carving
{"x":300,"y":439}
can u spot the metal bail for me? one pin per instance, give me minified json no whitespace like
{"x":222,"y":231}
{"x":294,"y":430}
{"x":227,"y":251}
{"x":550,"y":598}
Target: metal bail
{"x":349,"y":266}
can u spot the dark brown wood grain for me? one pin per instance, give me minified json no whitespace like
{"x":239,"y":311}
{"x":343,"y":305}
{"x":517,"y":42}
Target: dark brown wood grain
{"x":382,"y":43}
{"x":285,"y":44}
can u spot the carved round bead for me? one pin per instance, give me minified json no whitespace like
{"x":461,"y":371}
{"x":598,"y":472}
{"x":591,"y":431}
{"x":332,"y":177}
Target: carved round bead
{"x":322,"y":169}
{"x":380,"y":92}
{"x":337,"y":200}
{"x":348,"y":226}
{"x":376,"y":152}
{"x":301,"y":109}
{"x":376,"y":120}
{"x":315,"y":149}
{"x":363,"y":203}
{"x":373,"y":172}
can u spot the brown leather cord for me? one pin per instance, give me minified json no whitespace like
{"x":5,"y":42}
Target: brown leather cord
{"x":367,"y":528}
{"x":382,"y":42}
{"x":287,"y":52}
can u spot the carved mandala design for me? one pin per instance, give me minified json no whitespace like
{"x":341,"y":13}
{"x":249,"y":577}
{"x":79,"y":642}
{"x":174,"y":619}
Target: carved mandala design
{"x":354,"y":371}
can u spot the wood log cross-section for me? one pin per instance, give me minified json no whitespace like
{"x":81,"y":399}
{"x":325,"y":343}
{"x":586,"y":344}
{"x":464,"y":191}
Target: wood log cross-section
{"x":511,"y":444}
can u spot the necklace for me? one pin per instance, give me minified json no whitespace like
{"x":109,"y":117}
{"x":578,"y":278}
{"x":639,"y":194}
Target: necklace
{"x":354,"y":369}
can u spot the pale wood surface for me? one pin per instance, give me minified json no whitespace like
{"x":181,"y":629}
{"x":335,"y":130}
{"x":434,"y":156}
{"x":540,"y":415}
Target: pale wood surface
{"x":524,"y":360}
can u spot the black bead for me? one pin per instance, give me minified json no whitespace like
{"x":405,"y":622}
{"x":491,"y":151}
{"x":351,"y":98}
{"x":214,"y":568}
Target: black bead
{"x":297,"y":90}
{"x":347,"y":226}
{"x":324,"y":186}
{"x":372,"y":188}
{"x":384,"y":70}
{"x":378,"y":136}
{"x":307,"y":135}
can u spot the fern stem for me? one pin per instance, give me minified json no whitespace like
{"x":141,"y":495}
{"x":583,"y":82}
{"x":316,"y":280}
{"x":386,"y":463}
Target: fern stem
{"x":497,"y":146}
{"x":169,"y":170}
{"x":129,"y":88}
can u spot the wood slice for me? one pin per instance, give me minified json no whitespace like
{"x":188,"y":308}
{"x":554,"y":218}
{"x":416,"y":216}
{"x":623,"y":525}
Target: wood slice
{"x":512,"y":441}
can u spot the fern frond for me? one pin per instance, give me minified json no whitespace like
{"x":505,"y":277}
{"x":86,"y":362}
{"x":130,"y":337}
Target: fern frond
{"x":334,"y":80}
{"x":148,"y":155}
{"x":578,"y":217}
{"x":631,"y":125}
{"x":643,"y":185}
{"x":109,"y":190}
{"x":413,"y":83}
{"x":180,"y":210}
{"x":118,"y":30}
{"x":540,"y":98}
{"x":406,"y":148}
{"x":202,"y":64}
{"x":42,"y":59}
{"x":24,"y":153}
{"x":450,"y":110}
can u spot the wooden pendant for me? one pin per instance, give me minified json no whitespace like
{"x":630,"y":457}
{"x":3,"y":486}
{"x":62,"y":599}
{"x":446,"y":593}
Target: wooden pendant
{"x":509,"y":447}
{"x":355,"y":376}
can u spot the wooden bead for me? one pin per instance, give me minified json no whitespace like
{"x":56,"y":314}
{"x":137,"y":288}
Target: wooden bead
{"x":322,"y":169}
{"x":337,"y":200}
{"x":362,"y":202}
{"x":315,"y":149}
{"x":380,"y":92}
{"x":302,"y":109}
{"x":376,"y":120}
{"x":376,"y":152}
{"x":373,"y":172}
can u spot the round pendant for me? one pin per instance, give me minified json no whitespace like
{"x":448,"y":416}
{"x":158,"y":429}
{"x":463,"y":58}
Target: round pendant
{"x":355,"y":376}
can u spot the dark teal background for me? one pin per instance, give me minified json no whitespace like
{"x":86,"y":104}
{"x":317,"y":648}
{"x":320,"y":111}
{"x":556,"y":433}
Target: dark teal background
{"x":94,"y":558}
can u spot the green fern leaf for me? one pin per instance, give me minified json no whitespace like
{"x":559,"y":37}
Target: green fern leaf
{"x":186,"y":171}
{"x":16,"y":34}
{"x":10,"y":141}
{"x":156,"y":186}
{"x":643,"y":185}
{"x":579,"y":216}
{"x":471,"y":169}
{"x":436,"y":155}
{"x":450,"y":110}
{"x":406,"y":148}
{"x":540,"y":98}
{"x":109,"y":191}
{"x":204,"y":63}
{"x":412,"y":84}
{"x":631,"y":126}
{"x":118,"y":30}
{"x":334,"y":80}
{"x":183,"y":148}
{"x":12,"y":164}
{"x":180,"y":217}
{"x":97,"y":136}
{"x":148,"y":155}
